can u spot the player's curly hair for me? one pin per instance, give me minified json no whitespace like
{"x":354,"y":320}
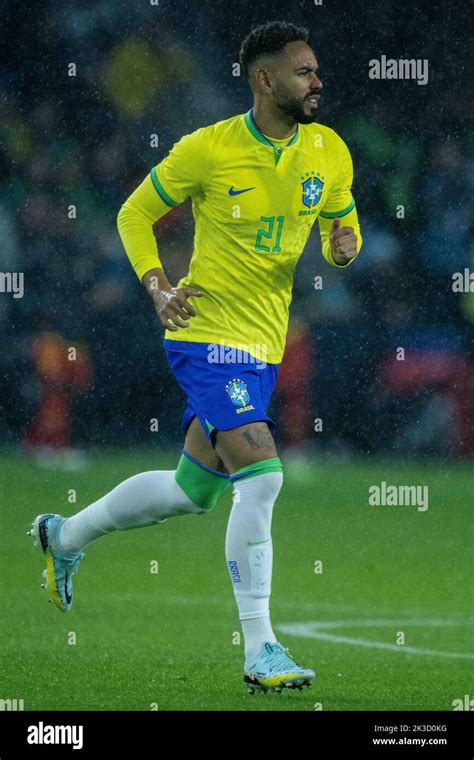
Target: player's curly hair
{"x":269,"y":39}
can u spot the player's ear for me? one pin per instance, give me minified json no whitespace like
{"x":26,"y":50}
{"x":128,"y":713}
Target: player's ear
{"x":263,"y":81}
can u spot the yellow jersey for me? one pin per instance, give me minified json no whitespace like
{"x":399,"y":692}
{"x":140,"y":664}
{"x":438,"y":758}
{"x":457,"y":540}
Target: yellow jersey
{"x":254,"y":202}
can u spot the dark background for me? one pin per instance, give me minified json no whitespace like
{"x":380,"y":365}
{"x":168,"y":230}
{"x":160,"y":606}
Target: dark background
{"x":167,"y":70}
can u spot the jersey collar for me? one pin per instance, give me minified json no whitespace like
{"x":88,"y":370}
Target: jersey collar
{"x":257,"y":133}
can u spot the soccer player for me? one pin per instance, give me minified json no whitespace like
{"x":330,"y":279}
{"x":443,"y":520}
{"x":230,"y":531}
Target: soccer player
{"x":258,"y":181}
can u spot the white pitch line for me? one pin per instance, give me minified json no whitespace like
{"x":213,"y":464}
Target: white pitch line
{"x":384,"y":622}
{"x":313,"y":630}
{"x":317,"y":607}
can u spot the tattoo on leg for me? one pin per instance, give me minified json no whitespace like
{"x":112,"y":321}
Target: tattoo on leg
{"x":221,"y":467}
{"x":259,"y":438}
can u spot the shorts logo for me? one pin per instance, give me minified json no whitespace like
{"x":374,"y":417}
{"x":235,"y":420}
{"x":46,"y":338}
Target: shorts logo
{"x":237,"y":390}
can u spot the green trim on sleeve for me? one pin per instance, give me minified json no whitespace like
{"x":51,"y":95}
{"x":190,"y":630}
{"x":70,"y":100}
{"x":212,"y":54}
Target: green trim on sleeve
{"x":161,"y":190}
{"x":335,"y":214}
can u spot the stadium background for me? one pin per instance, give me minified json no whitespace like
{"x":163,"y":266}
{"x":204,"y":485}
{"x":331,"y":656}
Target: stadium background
{"x":170,"y":639}
{"x":166,"y":70}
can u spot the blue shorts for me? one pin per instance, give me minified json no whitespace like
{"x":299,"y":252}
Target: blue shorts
{"x":225,"y":393}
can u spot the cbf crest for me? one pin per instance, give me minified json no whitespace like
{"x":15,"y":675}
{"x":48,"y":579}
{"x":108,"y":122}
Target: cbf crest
{"x":312,"y":191}
{"x":237,"y":390}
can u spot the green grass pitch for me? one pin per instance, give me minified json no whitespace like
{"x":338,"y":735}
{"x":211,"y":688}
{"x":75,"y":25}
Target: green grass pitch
{"x":168,"y":640}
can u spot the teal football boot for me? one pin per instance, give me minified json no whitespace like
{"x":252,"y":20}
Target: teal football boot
{"x":60,"y":566}
{"x":273,"y":669}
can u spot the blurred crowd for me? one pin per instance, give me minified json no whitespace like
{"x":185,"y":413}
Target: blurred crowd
{"x":381,"y":355}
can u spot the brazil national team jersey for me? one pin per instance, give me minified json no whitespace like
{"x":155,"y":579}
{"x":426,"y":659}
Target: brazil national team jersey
{"x":254,"y":203}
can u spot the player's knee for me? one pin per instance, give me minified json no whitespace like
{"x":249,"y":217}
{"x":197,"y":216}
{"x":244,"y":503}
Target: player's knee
{"x":267,"y":477}
{"x":275,"y":484}
{"x":201,"y":484}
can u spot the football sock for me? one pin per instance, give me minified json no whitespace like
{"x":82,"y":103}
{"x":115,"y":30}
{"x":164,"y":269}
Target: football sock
{"x":249,"y":550}
{"x":144,"y":499}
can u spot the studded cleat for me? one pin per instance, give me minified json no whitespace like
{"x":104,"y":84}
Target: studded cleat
{"x":60,"y":566}
{"x":274,"y":670}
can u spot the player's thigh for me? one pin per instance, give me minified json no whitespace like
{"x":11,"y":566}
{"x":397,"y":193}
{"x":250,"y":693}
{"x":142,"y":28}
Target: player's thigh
{"x":245,"y":445}
{"x":197,"y":445}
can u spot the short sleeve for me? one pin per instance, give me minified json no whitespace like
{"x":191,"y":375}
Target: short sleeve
{"x":184,"y":170}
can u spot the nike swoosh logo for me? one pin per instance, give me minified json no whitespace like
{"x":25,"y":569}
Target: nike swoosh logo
{"x":238,"y":192}
{"x":255,"y":543}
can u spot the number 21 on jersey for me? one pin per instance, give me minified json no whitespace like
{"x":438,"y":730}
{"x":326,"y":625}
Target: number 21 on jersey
{"x":269,"y":234}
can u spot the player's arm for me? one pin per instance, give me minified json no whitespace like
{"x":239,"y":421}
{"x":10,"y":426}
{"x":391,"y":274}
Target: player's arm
{"x":178,"y":176}
{"x":338,"y":221}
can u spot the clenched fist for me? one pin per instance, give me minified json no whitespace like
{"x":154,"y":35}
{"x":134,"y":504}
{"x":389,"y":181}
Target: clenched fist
{"x":343,"y":242}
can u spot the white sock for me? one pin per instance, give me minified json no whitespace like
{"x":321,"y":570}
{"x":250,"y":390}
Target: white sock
{"x":143,"y":499}
{"x":250,"y":566}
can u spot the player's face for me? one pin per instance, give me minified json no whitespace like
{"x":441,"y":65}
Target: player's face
{"x":297,"y":85}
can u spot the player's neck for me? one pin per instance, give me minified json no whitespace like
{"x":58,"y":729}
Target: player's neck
{"x":273,"y":125}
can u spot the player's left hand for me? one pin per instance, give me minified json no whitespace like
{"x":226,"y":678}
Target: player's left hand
{"x":343,"y":242}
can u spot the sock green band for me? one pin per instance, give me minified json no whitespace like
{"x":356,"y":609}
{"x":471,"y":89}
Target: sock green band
{"x":258,"y":468}
{"x":201,"y":484}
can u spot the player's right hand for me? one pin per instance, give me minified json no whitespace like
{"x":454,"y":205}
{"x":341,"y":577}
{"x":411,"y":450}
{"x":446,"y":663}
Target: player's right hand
{"x":343,"y":243}
{"x":173,"y":306}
